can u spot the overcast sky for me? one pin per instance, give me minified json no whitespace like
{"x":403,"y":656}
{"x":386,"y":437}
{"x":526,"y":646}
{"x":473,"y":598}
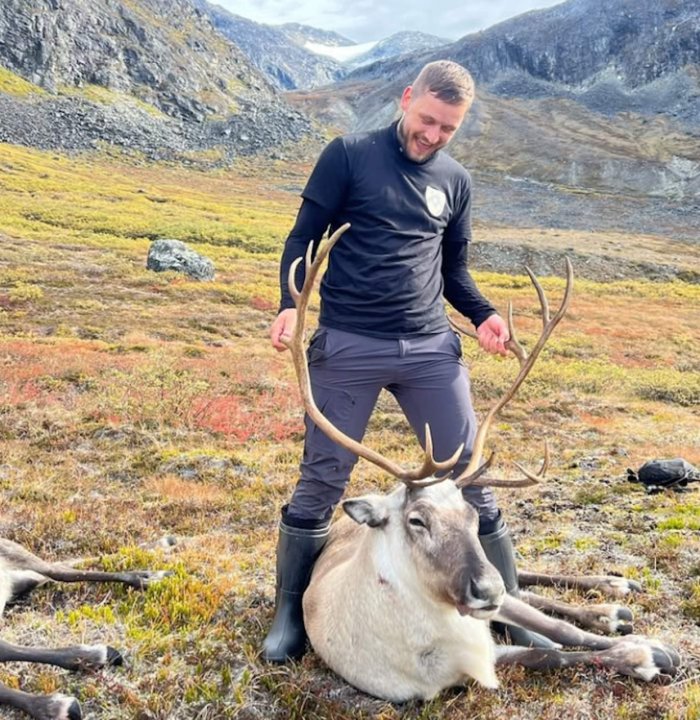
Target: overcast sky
{"x":365,"y":20}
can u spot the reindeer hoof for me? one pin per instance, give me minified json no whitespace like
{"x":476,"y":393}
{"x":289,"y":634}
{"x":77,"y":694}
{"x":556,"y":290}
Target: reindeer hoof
{"x":619,"y":586}
{"x":622,"y":621}
{"x":666,"y":659}
{"x":57,"y":707}
{"x":74,"y":712}
{"x":114,"y":657}
{"x":144,"y":578}
{"x":644,"y":658}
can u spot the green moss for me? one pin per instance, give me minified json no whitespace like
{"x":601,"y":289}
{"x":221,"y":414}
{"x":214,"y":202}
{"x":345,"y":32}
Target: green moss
{"x":101,"y":614}
{"x":586,"y":543}
{"x":13,"y":84}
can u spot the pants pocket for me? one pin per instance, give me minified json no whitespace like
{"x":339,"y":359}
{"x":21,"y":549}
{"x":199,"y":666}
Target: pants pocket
{"x":316,"y":352}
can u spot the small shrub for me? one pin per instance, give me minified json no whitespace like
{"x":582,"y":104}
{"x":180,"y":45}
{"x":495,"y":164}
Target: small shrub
{"x":670,"y":386}
{"x":154,"y":394}
{"x":691,"y":606}
{"x":24,"y":292}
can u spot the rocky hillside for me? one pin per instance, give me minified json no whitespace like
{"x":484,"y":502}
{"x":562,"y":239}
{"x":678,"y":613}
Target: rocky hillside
{"x":595,"y":94}
{"x":292,"y":56}
{"x":302,"y":34}
{"x":124,"y":71}
{"x":610,"y":55}
{"x":276,"y":52}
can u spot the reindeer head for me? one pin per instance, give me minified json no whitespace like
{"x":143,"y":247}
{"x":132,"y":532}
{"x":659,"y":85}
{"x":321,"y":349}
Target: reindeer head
{"x":429,"y":538}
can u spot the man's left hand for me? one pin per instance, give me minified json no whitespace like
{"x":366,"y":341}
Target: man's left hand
{"x":493,"y":335}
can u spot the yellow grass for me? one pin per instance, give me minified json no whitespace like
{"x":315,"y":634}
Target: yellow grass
{"x":135,"y":405}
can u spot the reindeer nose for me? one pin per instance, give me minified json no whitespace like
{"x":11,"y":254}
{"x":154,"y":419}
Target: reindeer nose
{"x":487,"y":589}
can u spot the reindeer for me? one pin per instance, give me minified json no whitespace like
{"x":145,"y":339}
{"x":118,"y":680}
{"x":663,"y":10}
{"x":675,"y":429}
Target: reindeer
{"x":401,"y":597}
{"x":20,"y":573}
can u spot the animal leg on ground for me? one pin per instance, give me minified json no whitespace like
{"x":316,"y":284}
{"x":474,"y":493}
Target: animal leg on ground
{"x":639,"y":657}
{"x":606,"y":618}
{"x":41,"y":707}
{"x":609,"y":585}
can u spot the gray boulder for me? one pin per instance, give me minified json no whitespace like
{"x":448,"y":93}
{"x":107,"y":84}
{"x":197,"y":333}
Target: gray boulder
{"x":175,"y":255}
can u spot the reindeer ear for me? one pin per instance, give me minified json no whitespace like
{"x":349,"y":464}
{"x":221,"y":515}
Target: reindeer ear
{"x":369,"y":509}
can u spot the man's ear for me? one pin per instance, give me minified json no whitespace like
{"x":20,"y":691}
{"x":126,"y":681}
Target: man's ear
{"x":406,"y":98}
{"x":368,"y":509}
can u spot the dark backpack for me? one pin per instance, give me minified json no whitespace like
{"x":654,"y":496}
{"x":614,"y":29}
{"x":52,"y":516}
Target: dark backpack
{"x":658,"y":475}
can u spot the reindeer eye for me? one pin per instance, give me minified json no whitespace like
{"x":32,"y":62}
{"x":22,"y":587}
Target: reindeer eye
{"x":417,"y":522}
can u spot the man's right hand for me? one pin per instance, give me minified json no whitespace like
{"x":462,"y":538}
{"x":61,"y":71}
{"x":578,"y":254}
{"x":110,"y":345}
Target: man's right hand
{"x":282,"y":328}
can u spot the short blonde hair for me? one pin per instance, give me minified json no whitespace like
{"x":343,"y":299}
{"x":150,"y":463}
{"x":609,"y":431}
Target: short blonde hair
{"x":447,"y":80}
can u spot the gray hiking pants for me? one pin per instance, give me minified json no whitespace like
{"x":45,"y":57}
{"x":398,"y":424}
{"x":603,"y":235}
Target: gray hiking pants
{"x":427,"y":377}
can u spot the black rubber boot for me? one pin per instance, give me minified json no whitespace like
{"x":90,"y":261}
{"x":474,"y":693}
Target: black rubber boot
{"x":498,"y":548}
{"x":297,"y":550}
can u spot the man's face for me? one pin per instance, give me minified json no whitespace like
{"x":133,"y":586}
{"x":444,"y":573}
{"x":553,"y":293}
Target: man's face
{"x":428,"y":123}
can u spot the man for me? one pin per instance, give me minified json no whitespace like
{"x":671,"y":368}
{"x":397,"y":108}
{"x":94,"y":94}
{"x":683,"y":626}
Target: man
{"x":383,"y":322}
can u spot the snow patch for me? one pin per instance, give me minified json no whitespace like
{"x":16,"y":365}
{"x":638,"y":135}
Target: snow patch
{"x":342,"y":53}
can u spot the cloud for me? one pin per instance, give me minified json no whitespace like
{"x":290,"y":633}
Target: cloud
{"x":365,"y":20}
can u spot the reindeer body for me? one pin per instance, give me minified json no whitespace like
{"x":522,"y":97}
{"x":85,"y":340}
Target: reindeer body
{"x":401,"y":610}
{"x":385,"y":618}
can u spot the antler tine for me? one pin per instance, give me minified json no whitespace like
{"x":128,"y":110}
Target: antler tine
{"x":530,"y":478}
{"x":540,"y":294}
{"x":535,"y":478}
{"x":513,"y":344}
{"x":473,"y":472}
{"x":461,"y":329}
{"x":301,"y":299}
{"x":431,"y":466}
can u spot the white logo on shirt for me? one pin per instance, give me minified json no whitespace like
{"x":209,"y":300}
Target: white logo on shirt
{"x":435,"y":199}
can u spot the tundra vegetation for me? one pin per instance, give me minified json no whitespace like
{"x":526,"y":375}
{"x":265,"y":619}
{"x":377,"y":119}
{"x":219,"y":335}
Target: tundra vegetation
{"x":134,"y":405}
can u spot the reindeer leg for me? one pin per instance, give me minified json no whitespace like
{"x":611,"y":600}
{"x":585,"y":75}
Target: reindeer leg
{"x":41,"y":707}
{"x":75,"y":657}
{"x":610,"y":585}
{"x":138,"y":579}
{"x":639,"y":657}
{"x":22,"y":563}
{"x":605,"y":618}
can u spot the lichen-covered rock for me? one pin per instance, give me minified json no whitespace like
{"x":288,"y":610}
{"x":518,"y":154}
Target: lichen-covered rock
{"x":176,"y":256}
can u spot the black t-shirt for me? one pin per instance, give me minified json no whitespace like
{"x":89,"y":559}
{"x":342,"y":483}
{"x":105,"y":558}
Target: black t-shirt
{"x":385,"y":276}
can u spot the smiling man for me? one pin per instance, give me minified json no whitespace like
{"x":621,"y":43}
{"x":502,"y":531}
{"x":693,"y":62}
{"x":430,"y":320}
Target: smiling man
{"x":383,"y":323}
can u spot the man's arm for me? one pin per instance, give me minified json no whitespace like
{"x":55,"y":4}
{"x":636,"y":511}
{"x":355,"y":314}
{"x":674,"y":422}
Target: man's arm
{"x":322,"y":196}
{"x":461,"y":292}
{"x":311,"y":224}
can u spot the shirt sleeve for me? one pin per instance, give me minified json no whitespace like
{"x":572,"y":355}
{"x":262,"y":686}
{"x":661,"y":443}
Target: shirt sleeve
{"x":459,"y":228}
{"x":322,"y":196}
{"x":310,"y":226}
{"x":460,"y":290}
{"x":328,"y":183}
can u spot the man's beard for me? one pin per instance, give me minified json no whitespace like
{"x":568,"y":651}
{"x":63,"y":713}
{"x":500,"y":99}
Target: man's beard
{"x":405,"y":144}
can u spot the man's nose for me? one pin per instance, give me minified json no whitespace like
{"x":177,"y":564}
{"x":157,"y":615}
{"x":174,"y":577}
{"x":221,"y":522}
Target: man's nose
{"x":432,"y":134}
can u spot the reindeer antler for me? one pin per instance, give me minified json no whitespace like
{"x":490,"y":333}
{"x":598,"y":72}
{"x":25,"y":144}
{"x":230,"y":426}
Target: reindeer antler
{"x":474,"y":472}
{"x":421,"y":476}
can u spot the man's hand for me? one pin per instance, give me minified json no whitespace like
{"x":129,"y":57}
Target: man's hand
{"x":282,"y":328}
{"x":493,"y":335}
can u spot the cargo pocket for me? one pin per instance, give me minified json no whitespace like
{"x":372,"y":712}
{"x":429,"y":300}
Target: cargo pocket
{"x":338,"y":407}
